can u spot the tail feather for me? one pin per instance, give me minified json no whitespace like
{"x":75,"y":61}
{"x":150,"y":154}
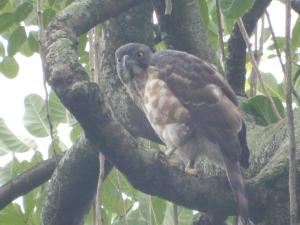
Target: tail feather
{"x":237,"y":184}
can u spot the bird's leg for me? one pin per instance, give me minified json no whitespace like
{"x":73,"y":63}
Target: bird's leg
{"x":190,"y":168}
{"x":169,"y":152}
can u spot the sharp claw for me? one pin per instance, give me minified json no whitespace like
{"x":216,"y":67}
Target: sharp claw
{"x":159,"y":155}
{"x":191,"y":171}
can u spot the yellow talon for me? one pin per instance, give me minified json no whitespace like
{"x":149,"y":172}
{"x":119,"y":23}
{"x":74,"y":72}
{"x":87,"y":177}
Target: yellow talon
{"x":191,"y":171}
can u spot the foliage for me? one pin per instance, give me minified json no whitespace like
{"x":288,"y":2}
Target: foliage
{"x":19,"y":35}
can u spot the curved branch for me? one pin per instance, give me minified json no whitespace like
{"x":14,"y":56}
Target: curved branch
{"x":73,"y":185}
{"x":236,"y":56}
{"x":28,"y":180}
{"x":184,"y":29}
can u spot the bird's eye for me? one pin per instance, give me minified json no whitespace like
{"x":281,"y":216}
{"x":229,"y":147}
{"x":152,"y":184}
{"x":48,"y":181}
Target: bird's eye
{"x":119,"y":60}
{"x":139,"y":55}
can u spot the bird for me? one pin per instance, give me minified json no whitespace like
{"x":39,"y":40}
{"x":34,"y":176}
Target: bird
{"x":191,"y":107}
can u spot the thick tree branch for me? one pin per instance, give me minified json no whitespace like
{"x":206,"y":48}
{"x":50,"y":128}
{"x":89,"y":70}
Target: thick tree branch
{"x":236,"y":56}
{"x":73,"y":185}
{"x":28,"y":180}
{"x":184,"y":30}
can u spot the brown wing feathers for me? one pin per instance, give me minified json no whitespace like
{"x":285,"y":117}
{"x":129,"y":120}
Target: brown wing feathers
{"x":209,"y":98}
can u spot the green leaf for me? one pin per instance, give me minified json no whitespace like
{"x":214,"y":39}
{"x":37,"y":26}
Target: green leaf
{"x":280,"y":41}
{"x":2,"y":49}
{"x":48,"y":14}
{"x":185,"y":216}
{"x":204,"y":12}
{"x":35,"y":117}
{"x":12,"y":142}
{"x":51,"y":2}
{"x":235,"y":8}
{"x":17,"y":38}
{"x":228,"y":25}
{"x":111,"y":199}
{"x":295,"y":42}
{"x":56,"y":147}
{"x":158,"y":208}
{"x":26,"y":50}
{"x":33,"y":41}
{"x":23,"y":11}
{"x":3,"y":149}
{"x":9,"y":67}
{"x":58,"y":112}
{"x":3,"y":3}
{"x":272,"y":86}
{"x":68,"y":2}
{"x":76,"y":133}
{"x":12,"y":215}
{"x":260,"y":108}
{"x":6,"y":21}
{"x":82,"y":41}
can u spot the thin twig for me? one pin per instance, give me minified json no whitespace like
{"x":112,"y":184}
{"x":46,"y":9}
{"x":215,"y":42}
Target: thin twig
{"x":253,"y":77}
{"x":274,"y":40}
{"x":175,"y":215}
{"x":220,"y":31}
{"x":149,"y":222}
{"x":255,"y":67}
{"x":118,"y":183}
{"x":41,"y":34}
{"x":258,"y":52}
{"x":98,"y":209}
{"x":290,"y":117}
{"x":91,"y":38}
{"x":95,"y":67}
{"x":261,"y":39}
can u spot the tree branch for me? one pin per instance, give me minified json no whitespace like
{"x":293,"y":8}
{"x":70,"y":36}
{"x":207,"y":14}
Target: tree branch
{"x":236,"y":56}
{"x":73,"y":185}
{"x":184,"y":30}
{"x":28,"y":180}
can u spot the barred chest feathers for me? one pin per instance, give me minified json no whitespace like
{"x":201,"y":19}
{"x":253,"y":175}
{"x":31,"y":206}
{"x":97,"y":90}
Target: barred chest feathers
{"x":170,"y":120}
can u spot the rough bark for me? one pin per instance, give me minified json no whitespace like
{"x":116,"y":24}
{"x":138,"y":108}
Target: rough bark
{"x":184,"y":29}
{"x":139,"y":28}
{"x":73,"y":185}
{"x":236,"y":57}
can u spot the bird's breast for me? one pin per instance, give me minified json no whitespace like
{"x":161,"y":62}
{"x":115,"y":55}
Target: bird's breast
{"x":167,"y":115}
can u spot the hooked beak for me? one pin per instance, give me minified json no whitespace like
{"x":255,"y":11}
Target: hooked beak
{"x":125,"y":61}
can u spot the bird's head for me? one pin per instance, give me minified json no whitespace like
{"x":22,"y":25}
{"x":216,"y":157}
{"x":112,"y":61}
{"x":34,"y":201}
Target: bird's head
{"x":132,"y":61}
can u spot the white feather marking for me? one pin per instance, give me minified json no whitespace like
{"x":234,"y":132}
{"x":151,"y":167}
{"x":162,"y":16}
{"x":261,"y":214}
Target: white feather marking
{"x":178,"y":112}
{"x":162,"y":101}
